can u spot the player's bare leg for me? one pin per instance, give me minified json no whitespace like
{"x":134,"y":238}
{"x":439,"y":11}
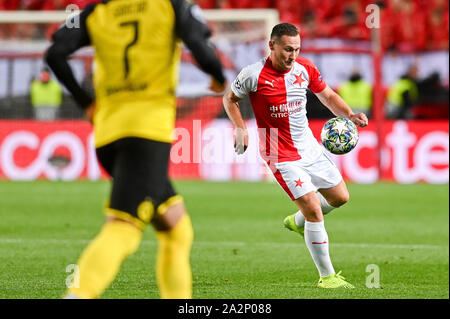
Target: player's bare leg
{"x":335,"y":196}
{"x":330,"y":198}
{"x":175,"y":235}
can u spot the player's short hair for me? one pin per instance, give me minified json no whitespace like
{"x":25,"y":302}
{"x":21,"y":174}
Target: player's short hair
{"x":283,"y":29}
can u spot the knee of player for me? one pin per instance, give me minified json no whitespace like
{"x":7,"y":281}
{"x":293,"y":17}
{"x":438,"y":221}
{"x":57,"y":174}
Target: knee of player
{"x":173,"y":222}
{"x":313,"y":214}
{"x":179,"y":235}
{"x":122,"y":233}
{"x":341,"y":200}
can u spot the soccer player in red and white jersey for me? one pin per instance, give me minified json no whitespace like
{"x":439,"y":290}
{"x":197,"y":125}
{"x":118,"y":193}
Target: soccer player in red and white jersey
{"x":277,"y":86}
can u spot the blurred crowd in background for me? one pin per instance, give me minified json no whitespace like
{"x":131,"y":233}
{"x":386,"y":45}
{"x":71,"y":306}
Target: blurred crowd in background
{"x":407,"y":25}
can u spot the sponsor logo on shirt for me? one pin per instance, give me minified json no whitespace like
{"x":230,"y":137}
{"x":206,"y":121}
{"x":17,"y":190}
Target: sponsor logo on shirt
{"x":285,"y":110}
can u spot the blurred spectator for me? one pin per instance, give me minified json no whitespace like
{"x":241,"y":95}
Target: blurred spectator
{"x":437,"y":4}
{"x":289,"y":11}
{"x":82,"y":3}
{"x":357,"y":93}
{"x":45,"y":4}
{"x":241,"y":4}
{"x":409,"y":27}
{"x":406,"y":25}
{"x":387,"y":18}
{"x":309,"y":28}
{"x":403,"y":95}
{"x":46,"y":97}
{"x":433,"y":97}
{"x":8,"y":30}
{"x":10,"y":4}
{"x":438,"y":29}
{"x":431,"y":89}
{"x":34,"y":4}
{"x":206,"y":4}
{"x":223,"y":4}
{"x":350,"y":24}
{"x":325,"y":9}
{"x":55,"y":4}
{"x":235,"y":4}
{"x":26,"y":31}
{"x":251,"y":4}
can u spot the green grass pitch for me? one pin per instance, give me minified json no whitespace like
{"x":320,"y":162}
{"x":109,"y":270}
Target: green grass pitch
{"x":241,"y":249}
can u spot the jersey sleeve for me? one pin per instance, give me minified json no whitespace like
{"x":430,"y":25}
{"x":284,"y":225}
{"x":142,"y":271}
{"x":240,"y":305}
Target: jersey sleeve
{"x":244,"y":83}
{"x":70,"y":37}
{"x":316,"y":82}
{"x":191,"y":27}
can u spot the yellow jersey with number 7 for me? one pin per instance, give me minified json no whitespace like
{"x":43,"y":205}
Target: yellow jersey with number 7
{"x":136,"y":69}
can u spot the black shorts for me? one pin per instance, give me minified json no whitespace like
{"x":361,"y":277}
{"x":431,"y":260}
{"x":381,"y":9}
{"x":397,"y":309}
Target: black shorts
{"x":138,"y":168}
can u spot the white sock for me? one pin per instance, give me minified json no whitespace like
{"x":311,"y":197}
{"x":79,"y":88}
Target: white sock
{"x":299,"y":219}
{"x":316,"y":239}
{"x":326,"y":208}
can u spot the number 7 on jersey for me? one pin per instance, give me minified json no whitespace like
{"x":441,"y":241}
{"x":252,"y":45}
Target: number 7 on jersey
{"x":135,"y":25}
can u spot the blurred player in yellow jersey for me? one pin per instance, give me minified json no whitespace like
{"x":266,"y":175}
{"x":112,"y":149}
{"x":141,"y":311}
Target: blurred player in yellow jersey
{"x":137,"y":51}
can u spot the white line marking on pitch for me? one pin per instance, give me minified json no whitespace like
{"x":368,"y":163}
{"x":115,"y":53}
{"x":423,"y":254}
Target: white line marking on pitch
{"x":221,"y":243}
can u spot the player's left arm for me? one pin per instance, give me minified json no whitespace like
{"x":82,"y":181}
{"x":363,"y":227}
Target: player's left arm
{"x":192,"y":29}
{"x":337,"y":105}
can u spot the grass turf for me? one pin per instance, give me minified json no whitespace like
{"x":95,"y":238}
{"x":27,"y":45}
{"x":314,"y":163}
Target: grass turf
{"x":241,"y":249}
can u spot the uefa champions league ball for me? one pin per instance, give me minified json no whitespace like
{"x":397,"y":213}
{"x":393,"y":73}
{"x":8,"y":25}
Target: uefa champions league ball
{"x":339,"y":135}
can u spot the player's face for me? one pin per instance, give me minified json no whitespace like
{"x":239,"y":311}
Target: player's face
{"x":284,"y":51}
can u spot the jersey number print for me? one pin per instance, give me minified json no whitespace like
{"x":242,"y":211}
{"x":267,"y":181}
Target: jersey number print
{"x":126,"y":60}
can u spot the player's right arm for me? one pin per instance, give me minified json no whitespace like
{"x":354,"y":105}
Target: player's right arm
{"x":230,"y":103}
{"x":194,"y":32}
{"x":245,"y":83}
{"x":65,"y":42}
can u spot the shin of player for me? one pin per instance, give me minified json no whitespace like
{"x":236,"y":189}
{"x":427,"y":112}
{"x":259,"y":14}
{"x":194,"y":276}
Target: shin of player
{"x":175,"y":235}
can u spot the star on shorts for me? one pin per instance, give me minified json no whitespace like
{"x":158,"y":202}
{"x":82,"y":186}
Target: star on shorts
{"x":298,"y":183}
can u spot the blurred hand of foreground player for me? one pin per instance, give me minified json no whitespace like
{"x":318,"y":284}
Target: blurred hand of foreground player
{"x":90,"y":111}
{"x":217,"y":87}
{"x":359,"y":119}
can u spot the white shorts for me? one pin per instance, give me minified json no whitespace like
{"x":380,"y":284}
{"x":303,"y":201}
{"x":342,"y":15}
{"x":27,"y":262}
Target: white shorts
{"x":297,"y":179}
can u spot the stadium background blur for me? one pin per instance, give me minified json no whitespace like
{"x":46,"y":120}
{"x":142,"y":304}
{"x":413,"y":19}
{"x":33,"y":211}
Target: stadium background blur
{"x":46,"y":223}
{"x":412,"y":71}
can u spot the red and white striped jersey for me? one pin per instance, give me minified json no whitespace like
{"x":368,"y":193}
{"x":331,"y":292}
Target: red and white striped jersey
{"x":278,"y":100}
